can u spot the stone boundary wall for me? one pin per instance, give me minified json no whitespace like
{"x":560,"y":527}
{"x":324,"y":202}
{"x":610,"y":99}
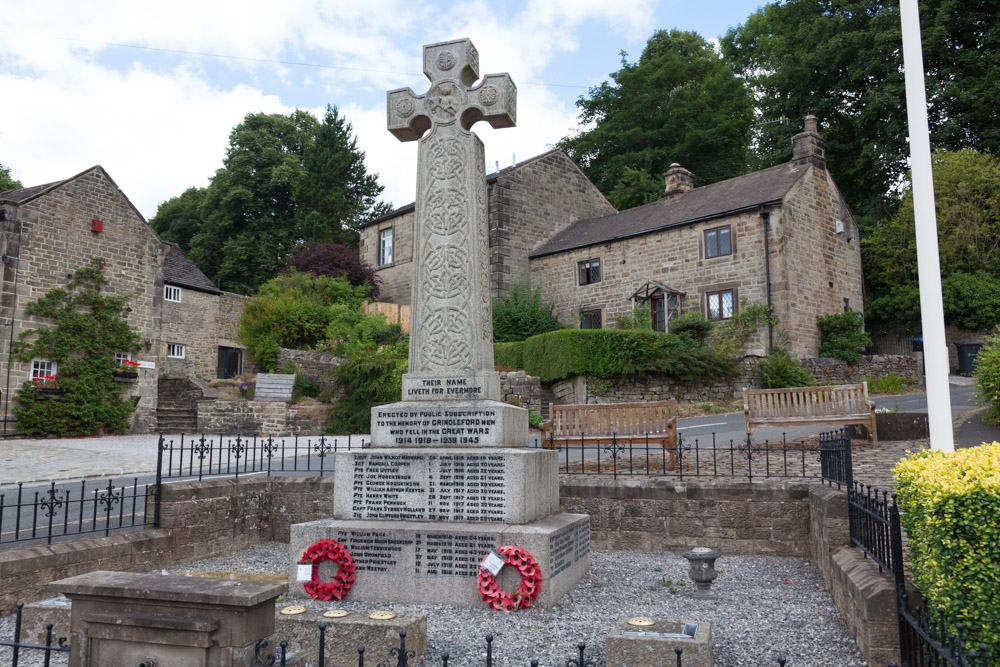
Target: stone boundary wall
{"x":262,"y":417}
{"x":310,"y":362}
{"x":198,"y":520}
{"x":526,"y":388}
{"x":865,"y":597}
{"x":581,"y":390}
{"x":667,"y":515}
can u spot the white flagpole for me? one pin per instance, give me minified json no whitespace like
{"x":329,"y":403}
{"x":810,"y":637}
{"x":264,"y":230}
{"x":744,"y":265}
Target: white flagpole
{"x":928,"y":262}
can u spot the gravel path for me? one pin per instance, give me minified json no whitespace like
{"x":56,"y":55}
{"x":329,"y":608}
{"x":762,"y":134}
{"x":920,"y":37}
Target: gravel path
{"x":767,"y":607}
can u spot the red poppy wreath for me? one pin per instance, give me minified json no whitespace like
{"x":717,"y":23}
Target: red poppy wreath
{"x":342,"y":581}
{"x":531,"y":581}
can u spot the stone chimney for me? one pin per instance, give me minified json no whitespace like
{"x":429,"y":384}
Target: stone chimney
{"x":807,"y":146}
{"x":677,"y":181}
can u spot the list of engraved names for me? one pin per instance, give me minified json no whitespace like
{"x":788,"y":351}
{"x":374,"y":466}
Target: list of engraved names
{"x":429,"y":487}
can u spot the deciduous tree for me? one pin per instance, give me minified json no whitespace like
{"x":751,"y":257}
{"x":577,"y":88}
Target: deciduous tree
{"x":6,"y":181}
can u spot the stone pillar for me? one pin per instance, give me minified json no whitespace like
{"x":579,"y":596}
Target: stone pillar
{"x":124,"y":618}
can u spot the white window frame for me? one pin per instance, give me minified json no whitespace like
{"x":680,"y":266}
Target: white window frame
{"x":122,"y":357}
{"x":38,"y":371}
{"x":385,"y":249}
{"x":176,"y":350}
{"x":171,"y":291}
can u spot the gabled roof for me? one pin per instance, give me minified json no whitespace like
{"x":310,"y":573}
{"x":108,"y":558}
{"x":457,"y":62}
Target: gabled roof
{"x":490,"y":179}
{"x":24,"y":194}
{"x":178,"y":269}
{"x":767,"y":186}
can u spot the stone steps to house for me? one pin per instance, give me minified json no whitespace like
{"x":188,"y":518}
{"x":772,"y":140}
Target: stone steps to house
{"x":548,"y":396}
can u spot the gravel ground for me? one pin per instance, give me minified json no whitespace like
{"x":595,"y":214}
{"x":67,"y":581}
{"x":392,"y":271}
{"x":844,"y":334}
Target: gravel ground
{"x":767,"y":607}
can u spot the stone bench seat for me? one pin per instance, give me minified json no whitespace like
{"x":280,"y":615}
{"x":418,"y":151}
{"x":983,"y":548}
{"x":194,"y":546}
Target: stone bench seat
{"x":800,"y":406}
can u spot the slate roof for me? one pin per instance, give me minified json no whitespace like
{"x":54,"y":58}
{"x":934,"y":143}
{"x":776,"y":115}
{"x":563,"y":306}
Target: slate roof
{"x":179,"y":270}
{"x":767,"y":186}
{"x":24,"y":194}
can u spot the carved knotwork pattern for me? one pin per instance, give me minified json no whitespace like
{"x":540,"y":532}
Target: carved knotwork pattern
{"x":446,"y":211}
{"x":445,"y":343}
{"x":510,"y":99}
{"x":445,"y":159}
{"x":445,"y":99}
{"x":474,"y":59}
{"x":482,"y":221}
{"x":446,"y":60}
{"x":446,"y":272}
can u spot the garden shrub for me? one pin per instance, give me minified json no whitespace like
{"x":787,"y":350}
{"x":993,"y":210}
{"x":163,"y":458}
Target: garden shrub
{"x":607,"y":353}
{"x":351,"y":331}
{"x":369,"y":376}
{"x":950,"y":508}
{"x":640,"y":319}
{"x":89,"y":330}
{"x":508,"y":355}
{"x":891,"y":383}
{"x":729,"y":336}
{"x":987,"y":374}
{"x":305,"y":386}
{"x":843,"y":336}
{"x":520,"y":314}
{"x":779,"y":370}
{"x":695,"y":325}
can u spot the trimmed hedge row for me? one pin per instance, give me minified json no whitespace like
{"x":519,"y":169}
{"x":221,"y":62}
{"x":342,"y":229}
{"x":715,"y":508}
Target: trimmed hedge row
{"x":950,"y":505}
{"x":607,"y":353}
{"x":509,"y":355}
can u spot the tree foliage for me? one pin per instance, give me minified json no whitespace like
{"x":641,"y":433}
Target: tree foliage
{"x":680,"y":102}
{"x":333,"y":260}
{"x":88,"y":330}
{"x":7,"y":182}
{"x":843,"y":336}
{"x":843,"y":59}
{"x":285,"y":181}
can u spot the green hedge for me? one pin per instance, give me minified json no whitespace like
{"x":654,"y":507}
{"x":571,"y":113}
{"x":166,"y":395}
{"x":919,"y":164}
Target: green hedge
{"x":950,"y":505}
{"x":509,"y":355}
{"x":607,"y":353}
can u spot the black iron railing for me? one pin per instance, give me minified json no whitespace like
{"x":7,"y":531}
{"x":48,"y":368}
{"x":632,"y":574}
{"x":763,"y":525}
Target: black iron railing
{"x":218,"y":455}
{"x":873,"y":517}
{"x":925,"y":640}
{"x":835,"y":458}
{"x":46,"y":649}
{"x":54,"y":512}
{"x":644,"y":455}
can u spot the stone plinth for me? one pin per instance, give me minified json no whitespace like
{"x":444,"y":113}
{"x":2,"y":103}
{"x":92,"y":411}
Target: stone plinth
{"x":433,"y":563}
{"x":345,"y":635}
{"x":647,"y":646}
{"x":449,"y":424}
{"x":123,"y":618}
{"x":467,"y":485}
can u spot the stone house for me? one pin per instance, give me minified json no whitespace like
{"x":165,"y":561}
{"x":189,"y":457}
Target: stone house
{"x":782,"y":236}
{"x":527,"y":203}
{"x":49,"y":231}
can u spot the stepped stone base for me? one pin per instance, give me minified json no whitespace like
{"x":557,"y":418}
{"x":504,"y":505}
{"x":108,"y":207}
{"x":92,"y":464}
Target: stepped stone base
{"x":423,"y":562}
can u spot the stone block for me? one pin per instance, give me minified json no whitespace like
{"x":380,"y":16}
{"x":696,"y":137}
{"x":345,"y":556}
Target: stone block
{"x":434,"y":563}
{"x":646,"y":646}
{"x":410,"y":424}
{"x":343,"y":636}
{"x":471,"y":485}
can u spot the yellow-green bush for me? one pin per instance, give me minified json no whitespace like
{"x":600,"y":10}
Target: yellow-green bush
{"x":950,"y":506}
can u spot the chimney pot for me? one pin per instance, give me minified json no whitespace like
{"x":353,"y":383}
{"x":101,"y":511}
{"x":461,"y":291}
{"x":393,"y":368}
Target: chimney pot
{"x":808,"y":146}
{"x":677,"y":181}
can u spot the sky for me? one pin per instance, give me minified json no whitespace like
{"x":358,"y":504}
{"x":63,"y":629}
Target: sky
{"x":150,"y":91}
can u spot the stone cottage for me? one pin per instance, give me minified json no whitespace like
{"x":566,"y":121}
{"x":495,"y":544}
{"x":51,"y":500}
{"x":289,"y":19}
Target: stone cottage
{"x":527,"y":203}
{"x":782,"y":236}
{"x":49,"y":231}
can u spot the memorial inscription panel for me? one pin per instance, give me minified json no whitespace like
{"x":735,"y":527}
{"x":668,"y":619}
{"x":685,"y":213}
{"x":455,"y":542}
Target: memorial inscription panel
{"x":567,"y":546}
{"x":432,"y":553}
{"x":436,"y":425}
{"x":429,"y":487}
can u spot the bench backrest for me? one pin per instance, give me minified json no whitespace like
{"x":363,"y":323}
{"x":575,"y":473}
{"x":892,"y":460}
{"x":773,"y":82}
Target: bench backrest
{"x":620,"y":418}
{"x":830,"y":401}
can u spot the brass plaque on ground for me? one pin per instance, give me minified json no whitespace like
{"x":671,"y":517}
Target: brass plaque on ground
{"x":641,"y":621}
{"x":381,"y":615}
{"x":293,"y":610}
{"x":336,"y":613}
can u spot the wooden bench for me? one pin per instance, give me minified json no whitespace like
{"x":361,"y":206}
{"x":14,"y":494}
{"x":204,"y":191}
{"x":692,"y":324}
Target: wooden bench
{"x":798,"y":406}
{"x":600,"y":424}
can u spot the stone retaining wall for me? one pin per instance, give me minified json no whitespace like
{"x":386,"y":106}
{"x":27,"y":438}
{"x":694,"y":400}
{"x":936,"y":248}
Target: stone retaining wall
{"x":309,"y":362}
{"x":519,"y":388}
{"x":581,"y":390}
{"x":263,"y":417}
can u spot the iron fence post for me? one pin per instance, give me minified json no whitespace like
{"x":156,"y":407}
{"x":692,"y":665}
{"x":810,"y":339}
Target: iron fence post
{"x":848,"y":478}
{"x":896,"y":537}
{"x":159,"y":481}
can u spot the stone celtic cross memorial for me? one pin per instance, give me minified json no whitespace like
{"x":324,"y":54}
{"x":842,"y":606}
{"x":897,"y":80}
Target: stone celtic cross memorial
{"x":449,"y":474}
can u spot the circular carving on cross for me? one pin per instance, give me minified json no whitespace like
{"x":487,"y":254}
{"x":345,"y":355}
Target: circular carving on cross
{"x":446,"y":211}
{"x":445,"y":159}
{"x":488,"y":96}
{"x":447,"y":275}
{"x":445,"y":344}
{"x":446,"y":60}
{"x":404,"y":108}
{"x":445,"y":99}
